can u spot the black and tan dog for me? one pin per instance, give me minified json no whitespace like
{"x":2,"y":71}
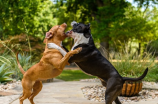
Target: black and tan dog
{"x":92,"y":62}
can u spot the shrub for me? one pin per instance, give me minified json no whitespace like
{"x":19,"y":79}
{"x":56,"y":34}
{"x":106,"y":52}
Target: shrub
{"x":9,"y":59}
{"x":130,"y":64}
{"x":20,"y":42}
{"x":5,"y":74}
{"x":25,"y":61}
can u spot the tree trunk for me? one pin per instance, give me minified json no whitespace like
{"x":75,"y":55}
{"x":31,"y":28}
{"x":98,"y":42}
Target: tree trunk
{"x":1,"y":31}
{"x":1,"y":35}
{"x":105,"y":48}
{"x":139,"y":49}
{"x":105,"y":41}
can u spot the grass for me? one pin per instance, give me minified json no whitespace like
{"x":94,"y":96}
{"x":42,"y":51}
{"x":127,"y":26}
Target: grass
{"x":73,"y":75}
{"x":132,"y":64}
{"x":152,"y":75}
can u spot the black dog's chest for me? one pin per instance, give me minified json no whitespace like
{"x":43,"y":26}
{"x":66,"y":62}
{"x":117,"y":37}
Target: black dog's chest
{"x":87,"y":68}
{"x":96,"y":65}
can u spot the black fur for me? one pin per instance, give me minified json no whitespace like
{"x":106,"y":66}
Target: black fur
{"x":92,"y":62}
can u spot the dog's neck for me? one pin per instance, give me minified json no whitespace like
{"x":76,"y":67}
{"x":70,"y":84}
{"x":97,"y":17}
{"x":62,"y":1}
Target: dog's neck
{"x":56,"y":41}
{"x":79,"y":39}
{"x":55,"y":46}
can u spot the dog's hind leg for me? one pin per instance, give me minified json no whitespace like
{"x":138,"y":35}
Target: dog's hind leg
{"x":103,"y":82}
{"x":117,"y":101}
{"x":21,"y":96}
{"x":25,"y":95}
{"x":112,"y":96}
{"x":27,"y":90}
{"x":113,"y":90}
{"x":37,"y":87}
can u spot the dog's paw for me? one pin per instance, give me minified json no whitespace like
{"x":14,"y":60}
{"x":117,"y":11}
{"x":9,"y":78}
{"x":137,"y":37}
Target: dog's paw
{"x":78,"y":50}
{"x":68,"y":63}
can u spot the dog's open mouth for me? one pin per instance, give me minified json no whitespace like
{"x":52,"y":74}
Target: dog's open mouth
{"x":68,"y":33}
{"x":65,"y":33}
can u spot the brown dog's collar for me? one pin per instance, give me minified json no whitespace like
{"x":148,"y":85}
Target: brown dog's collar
{"x":54,"y":46}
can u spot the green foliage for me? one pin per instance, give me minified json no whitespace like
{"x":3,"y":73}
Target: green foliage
{"x":73,"y":75}
{"x":111,"y":20}
{"x":136,"y":25}
{"x":19,"y":16}
{"x":145,"y":2}
{"x":11,"y":62}
{"x":102,"y":12}
{"x":25,"y":62}
{"x":9,"y":59}
{"x":153,"y":73}
{"x":153,"y":47}
{"x":5,"y":74}
{"x":131,"y":64}
{"x":19,"y":43}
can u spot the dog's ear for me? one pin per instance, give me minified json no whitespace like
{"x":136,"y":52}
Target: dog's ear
{"x":72,"y":23}
{"x":88,"y":33}
{"x":48,"y":36}
{"x":88,"y":26}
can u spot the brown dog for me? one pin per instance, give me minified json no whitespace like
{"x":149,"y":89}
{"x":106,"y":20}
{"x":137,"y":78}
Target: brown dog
{"x":50,"y":65}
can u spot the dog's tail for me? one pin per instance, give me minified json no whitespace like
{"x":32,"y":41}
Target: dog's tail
{"x":20,"y":67}
{"x":136,"y":79}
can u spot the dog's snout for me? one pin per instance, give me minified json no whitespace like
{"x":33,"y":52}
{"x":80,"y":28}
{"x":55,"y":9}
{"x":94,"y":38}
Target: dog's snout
{"x":64,"y":24}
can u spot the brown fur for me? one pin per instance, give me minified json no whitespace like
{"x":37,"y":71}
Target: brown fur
{"x":50,"y":65}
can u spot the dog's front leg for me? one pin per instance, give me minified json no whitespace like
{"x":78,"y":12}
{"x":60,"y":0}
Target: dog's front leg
{"x":60,"y":63}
